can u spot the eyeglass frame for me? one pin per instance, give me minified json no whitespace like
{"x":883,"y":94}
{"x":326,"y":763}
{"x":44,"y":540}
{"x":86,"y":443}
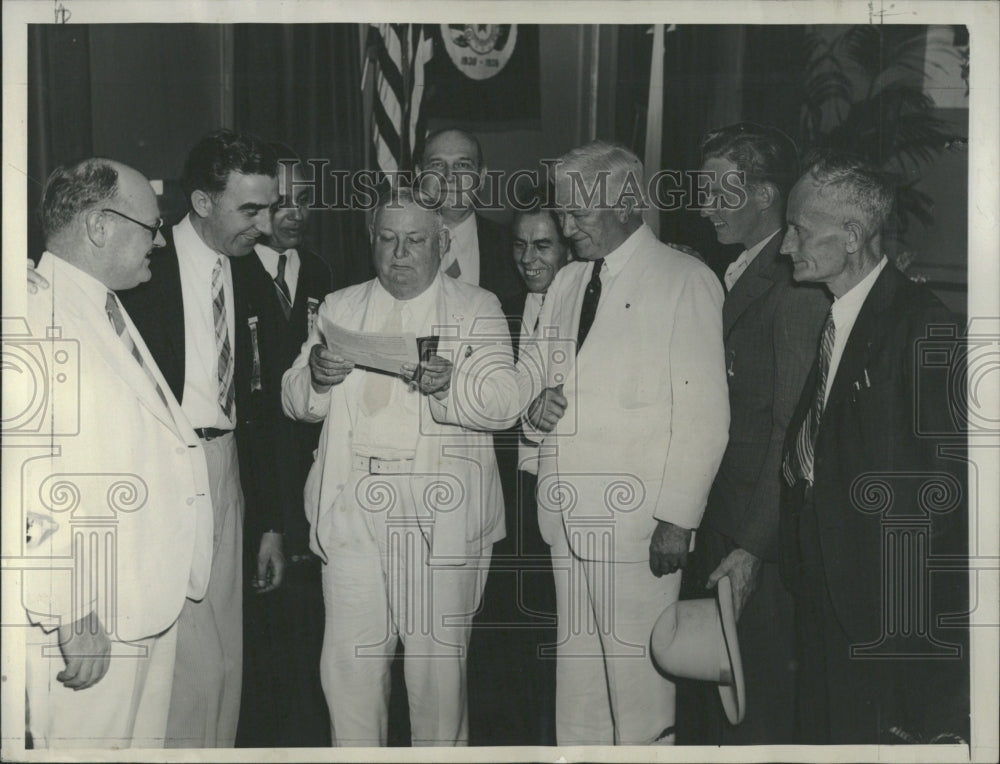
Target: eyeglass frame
{"x":153,"y":229}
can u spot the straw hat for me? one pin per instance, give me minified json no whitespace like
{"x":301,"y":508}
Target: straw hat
{"x":696,"y":639}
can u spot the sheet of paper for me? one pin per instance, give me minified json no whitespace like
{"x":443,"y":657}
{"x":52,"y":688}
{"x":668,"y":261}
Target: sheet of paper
{"x":386,"y":352}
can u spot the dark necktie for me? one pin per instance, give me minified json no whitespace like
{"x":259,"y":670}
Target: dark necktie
{"x":284,"y":296}
{"x":589,"y":308}
{"x":799,"y":461}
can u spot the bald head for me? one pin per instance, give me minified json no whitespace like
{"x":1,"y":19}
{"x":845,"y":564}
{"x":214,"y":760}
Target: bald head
{"x":102,"y":216}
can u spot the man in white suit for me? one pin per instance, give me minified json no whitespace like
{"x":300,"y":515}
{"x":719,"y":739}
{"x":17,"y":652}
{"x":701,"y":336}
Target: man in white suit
{"x":125,"y":499}
{"x":633,"y":423}
{"x":404,"y":499}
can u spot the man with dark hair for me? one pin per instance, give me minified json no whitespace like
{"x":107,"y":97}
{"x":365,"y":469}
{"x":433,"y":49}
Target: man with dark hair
{"x":283,"y":703}
{"x":209,"y":326}
{"x":133,"y":459}
{"x":872,"y":493}
{"x":771,"y":329}
{"x":480,"y":248}
{"x":404,"y":500}
{"x":511,"y":683}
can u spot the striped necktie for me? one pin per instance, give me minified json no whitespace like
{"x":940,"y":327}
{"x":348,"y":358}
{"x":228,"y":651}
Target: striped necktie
{"x":284,"y":295}
{"x":227,"y":392}
{"x":121,"y":329}
{"x":799,"y":461}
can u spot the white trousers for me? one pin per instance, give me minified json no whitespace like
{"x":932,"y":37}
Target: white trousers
{"x":126,"y":709}
{"x":378,"y":588}
{"x":208,"y":676}
{"x":608,"y":692}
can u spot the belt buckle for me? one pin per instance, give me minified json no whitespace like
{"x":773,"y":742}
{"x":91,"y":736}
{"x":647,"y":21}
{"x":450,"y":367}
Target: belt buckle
{"x":372,"y":466}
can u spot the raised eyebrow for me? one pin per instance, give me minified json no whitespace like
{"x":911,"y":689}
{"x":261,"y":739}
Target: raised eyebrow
{"x":255,"y":206}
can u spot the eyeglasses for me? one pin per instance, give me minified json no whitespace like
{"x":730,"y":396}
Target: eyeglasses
{"x":153,"y":229}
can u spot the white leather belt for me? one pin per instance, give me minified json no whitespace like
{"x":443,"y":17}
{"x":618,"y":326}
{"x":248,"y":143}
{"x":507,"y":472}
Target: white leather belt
{"x":375,"y":466}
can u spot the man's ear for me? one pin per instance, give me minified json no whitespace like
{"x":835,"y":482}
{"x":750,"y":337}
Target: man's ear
{"x":625,"y":208}
{"x":767,"y":195}
{"x":444,"y":241}
{"x":95,"y":222}
{"x":855,"y":236}
{"x":201,"y":203}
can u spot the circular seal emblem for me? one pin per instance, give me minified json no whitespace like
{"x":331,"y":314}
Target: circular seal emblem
{"x":479,"y":51}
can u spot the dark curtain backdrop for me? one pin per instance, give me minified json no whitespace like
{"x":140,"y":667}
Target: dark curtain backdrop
{"x":59,"y":109}
{"x":301,"y":84}
{"x":714,"y":75}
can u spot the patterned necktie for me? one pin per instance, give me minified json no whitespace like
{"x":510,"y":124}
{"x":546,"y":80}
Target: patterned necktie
{"x":799,"y":461}
{"x":227,"y":392}
{"x":378,"y":386}
{"x":590,"y":299}
{"x":121,"y":329}
{"x":284,"y":295}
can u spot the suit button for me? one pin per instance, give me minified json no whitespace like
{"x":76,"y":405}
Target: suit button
{"x":350,"y":433}
{"x":190,"y":500}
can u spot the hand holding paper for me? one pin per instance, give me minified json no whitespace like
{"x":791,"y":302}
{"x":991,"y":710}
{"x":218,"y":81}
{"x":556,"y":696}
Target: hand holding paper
{"x":373,"y":350}
{"x":432,"y":377}
{"x":327,"y":368}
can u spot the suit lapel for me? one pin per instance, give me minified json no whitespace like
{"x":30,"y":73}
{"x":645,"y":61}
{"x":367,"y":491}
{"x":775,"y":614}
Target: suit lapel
{"x":867,"y":329}
{"x":119,"y":360}
{"x":755,"y":281}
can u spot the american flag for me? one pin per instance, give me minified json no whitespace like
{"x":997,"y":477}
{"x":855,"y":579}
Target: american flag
{"x":399,"y":52}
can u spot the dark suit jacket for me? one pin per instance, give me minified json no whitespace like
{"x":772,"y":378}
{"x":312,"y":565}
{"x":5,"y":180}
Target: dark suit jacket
{"x":771,"y":328}
{"x":888,"y":411}
{"x":497,"y":271}
{"x":315,"y":282}
{"x":157,"y":309}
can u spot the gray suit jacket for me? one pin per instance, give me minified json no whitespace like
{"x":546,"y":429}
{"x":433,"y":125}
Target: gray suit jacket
{"x":771,"y":328}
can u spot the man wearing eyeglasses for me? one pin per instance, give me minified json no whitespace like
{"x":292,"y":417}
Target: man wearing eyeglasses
{"x":134,"y":467}
{"x":208,"y":321}
{"x":771,"y":328}
{"x":453,"y":167}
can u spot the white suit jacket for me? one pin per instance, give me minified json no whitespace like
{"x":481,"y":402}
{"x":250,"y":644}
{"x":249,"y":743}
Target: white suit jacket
{"x":648,"y":410}
{"x":121,"y":511}
{"x":455,"y":483}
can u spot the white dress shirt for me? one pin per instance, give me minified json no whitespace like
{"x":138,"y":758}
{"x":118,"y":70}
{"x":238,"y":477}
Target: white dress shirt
{"x":845,"y":311}
{"x":464,"y":250}
{"x":197,"y":260}
{"x":741,"y":263}
{"x":269,"y":259}
{"x":392,"y":432}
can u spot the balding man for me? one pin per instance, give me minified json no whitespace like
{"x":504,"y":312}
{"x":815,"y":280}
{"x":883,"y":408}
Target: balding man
{"x":633,"y":423}
{"x":479,"y":253}
{"x":871,"y":491}
{"x":135,"y":461}
{"x":404,"y":500}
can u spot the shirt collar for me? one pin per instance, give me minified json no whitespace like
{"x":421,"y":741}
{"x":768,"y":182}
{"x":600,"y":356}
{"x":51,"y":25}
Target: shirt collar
{"x":187,"y":240}
{"x":270,"y":254}
{"x":616,"y":260}
{"x":384,"y":299}
{"x":95,"y":290}
{"x":464,"y":229}
{"x":757,"y":248}
{"x":847,"y":307}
